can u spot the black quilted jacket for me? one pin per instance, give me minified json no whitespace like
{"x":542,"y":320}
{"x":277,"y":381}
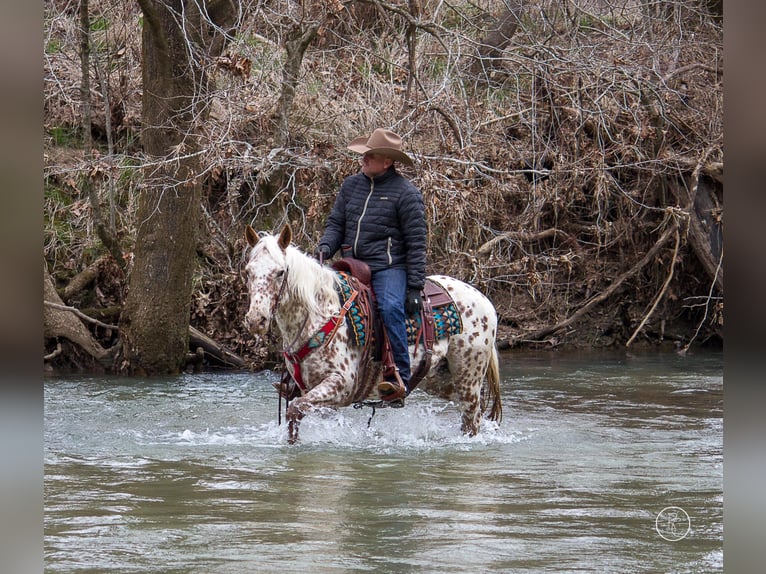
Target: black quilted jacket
{"x":382,"y":220}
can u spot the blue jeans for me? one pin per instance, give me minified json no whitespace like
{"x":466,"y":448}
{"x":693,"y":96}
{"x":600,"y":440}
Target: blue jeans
{"x":390,"y":286}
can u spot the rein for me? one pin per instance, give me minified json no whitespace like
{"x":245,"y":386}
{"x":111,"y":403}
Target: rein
{"x":294,"y":358}
{"x":283,"y":381}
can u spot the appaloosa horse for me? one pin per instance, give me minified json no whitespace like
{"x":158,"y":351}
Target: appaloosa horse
{"x":302,"y":296}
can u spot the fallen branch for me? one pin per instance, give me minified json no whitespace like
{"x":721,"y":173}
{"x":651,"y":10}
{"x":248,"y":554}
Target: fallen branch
{"x":707,"y":306}
{"x":198,"y":340}
{"x":79,"y":313}
{"x":696,"y":65}
{"x":56,"y":352}
{"x":82,"y":279}
{"x":451,"y":122}
{"x":662,"y":291}
{"x":712,"y":169}
{"x":59,"y":321}
{"x":529,"y":237}
{"x":537,"y":335}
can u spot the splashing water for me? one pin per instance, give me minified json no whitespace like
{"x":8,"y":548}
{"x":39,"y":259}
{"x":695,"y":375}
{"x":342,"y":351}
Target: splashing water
{"x":194,"y":474}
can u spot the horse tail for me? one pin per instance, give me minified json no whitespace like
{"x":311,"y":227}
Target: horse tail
{"x":493,"y":386}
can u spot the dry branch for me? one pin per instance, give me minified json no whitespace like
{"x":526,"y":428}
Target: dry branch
{"x":662,"y":291}
{"x":198,"y":340}
{"x":529,"y":237}
{"x":82,"y":279}
{"x":79,"y":313}
{"x":59,"y":320}
{"x":609,"y":291}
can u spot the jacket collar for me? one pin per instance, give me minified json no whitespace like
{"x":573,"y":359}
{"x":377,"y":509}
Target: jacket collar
{"x":389,"y":173}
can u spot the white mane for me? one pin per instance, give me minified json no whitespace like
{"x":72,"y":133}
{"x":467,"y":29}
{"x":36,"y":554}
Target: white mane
{"x":311,"y":284}
{"x":308,"y":281}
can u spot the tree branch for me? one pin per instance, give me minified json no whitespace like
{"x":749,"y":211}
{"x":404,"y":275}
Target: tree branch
{"x":528,"y":237}
{"x":662,"y":291}
{"x":539,"y":334}
{"x":79,"y":313}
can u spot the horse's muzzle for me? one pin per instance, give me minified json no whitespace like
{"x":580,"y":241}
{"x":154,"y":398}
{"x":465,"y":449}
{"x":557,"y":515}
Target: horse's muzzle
{"x":257,"y":324}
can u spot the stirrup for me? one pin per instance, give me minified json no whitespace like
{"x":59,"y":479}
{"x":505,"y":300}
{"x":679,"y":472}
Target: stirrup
{"x":392,"y":390}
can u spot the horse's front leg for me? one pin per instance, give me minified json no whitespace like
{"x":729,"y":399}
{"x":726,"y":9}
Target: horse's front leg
{"x":294,"y":415}
{"x":333,"y":391}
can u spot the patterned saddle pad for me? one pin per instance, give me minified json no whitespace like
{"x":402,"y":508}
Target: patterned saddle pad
{"x":447,"y":319}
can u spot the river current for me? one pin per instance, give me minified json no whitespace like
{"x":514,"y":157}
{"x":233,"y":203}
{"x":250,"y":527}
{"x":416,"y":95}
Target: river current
{"x":607,"y":462}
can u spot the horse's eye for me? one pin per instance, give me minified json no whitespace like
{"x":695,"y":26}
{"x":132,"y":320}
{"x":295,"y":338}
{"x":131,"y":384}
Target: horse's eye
{"x":280,"y":273}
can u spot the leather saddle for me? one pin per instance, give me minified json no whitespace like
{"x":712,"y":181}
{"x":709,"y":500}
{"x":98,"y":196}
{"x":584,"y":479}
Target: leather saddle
{"x":433,"y":296}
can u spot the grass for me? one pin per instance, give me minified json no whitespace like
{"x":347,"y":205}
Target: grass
{"x":66,"y":136}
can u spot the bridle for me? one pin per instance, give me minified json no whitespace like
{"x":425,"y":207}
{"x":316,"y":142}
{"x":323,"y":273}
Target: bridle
{"x":278,"y":298}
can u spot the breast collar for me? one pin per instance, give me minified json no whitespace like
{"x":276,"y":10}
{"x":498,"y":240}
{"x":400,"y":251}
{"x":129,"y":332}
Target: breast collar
{"x":323,"y":336}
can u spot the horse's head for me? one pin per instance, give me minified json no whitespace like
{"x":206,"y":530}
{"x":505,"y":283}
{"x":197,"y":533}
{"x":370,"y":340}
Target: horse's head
{"x":266,"y":271}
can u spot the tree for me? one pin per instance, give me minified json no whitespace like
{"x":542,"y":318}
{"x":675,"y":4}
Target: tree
{"x":497,"y":38}
{"x":180,"y":41}
{"x":549,"y":171}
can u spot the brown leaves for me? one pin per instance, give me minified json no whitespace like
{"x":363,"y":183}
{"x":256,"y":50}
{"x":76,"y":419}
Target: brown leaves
{"x":236,"y":64}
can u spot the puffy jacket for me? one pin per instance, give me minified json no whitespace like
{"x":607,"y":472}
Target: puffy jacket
{"x":382,"y":220}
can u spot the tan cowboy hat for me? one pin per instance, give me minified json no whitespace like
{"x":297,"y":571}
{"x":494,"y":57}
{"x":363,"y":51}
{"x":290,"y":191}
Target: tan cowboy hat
{"x":384,"y":142}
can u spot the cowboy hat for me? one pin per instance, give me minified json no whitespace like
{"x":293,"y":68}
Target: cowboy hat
{"x":382,"y":141}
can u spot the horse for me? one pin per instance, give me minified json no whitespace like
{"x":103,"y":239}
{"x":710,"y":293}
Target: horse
{"x":301,"y":296}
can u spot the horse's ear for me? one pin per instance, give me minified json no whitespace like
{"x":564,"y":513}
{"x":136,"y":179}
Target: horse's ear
{"x":251,"y":236}
{"x":285,"y":237}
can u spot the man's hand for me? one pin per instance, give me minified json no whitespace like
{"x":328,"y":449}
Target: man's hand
{"x":322,"y":253}
{"x":414,"y":303}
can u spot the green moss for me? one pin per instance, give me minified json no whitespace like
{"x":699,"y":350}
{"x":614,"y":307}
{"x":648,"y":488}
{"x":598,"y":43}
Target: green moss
{"x":99,"y":24}
{"x":66,"y":136}
{"x":53,"y":46}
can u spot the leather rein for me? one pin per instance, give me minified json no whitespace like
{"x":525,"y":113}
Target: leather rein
{"x":322,"y":337}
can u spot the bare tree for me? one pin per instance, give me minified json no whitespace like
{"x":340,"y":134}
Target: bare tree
{"x":180,"y":40}
{"x":104,"y":233}
{"x":498,"y":36}
{"x":542,"y":184}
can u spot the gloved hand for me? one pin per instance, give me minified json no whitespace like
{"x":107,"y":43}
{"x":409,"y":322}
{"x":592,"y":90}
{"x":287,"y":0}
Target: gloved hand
{"x":322,"y":253}
{"x":414,"y":303}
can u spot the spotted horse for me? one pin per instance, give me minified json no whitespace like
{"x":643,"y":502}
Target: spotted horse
{"x":301,"y":296}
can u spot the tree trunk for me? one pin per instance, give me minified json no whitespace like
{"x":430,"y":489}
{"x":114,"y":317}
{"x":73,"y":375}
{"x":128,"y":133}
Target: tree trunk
{"x":177,"y":43}
{"x":497,"y":39}
{"x":104,"y":233}
{"x":699,"y":198}
{"x":295,"y":46}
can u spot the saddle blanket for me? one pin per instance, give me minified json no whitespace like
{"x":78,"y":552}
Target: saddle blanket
{"x":447,"y":320}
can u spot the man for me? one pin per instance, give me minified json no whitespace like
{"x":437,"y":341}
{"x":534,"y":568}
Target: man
{"x":379,"y":218}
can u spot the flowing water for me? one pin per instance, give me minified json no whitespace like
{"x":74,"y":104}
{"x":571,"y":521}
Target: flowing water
{"x":603,"y":463}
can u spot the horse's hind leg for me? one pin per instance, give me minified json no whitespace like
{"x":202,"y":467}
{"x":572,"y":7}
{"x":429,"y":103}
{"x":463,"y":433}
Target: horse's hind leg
{"x":467,"y":365}
{"x":470,"y":411}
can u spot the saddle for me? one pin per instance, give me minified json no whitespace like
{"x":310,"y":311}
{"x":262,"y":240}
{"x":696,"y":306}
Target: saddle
{"x":433,"y":296}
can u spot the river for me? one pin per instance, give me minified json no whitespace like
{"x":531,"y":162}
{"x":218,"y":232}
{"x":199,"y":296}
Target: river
{"x":604,"y":462}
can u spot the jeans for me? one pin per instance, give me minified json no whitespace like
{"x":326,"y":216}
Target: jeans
{"x":390,"y":286}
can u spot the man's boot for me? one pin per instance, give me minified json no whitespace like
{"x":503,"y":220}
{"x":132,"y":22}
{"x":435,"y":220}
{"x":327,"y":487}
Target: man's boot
{"x":392,"y":389}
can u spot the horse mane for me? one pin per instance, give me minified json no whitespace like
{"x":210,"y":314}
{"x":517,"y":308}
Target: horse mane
{"x":312,"y":284}
{"x":308,"y":282}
